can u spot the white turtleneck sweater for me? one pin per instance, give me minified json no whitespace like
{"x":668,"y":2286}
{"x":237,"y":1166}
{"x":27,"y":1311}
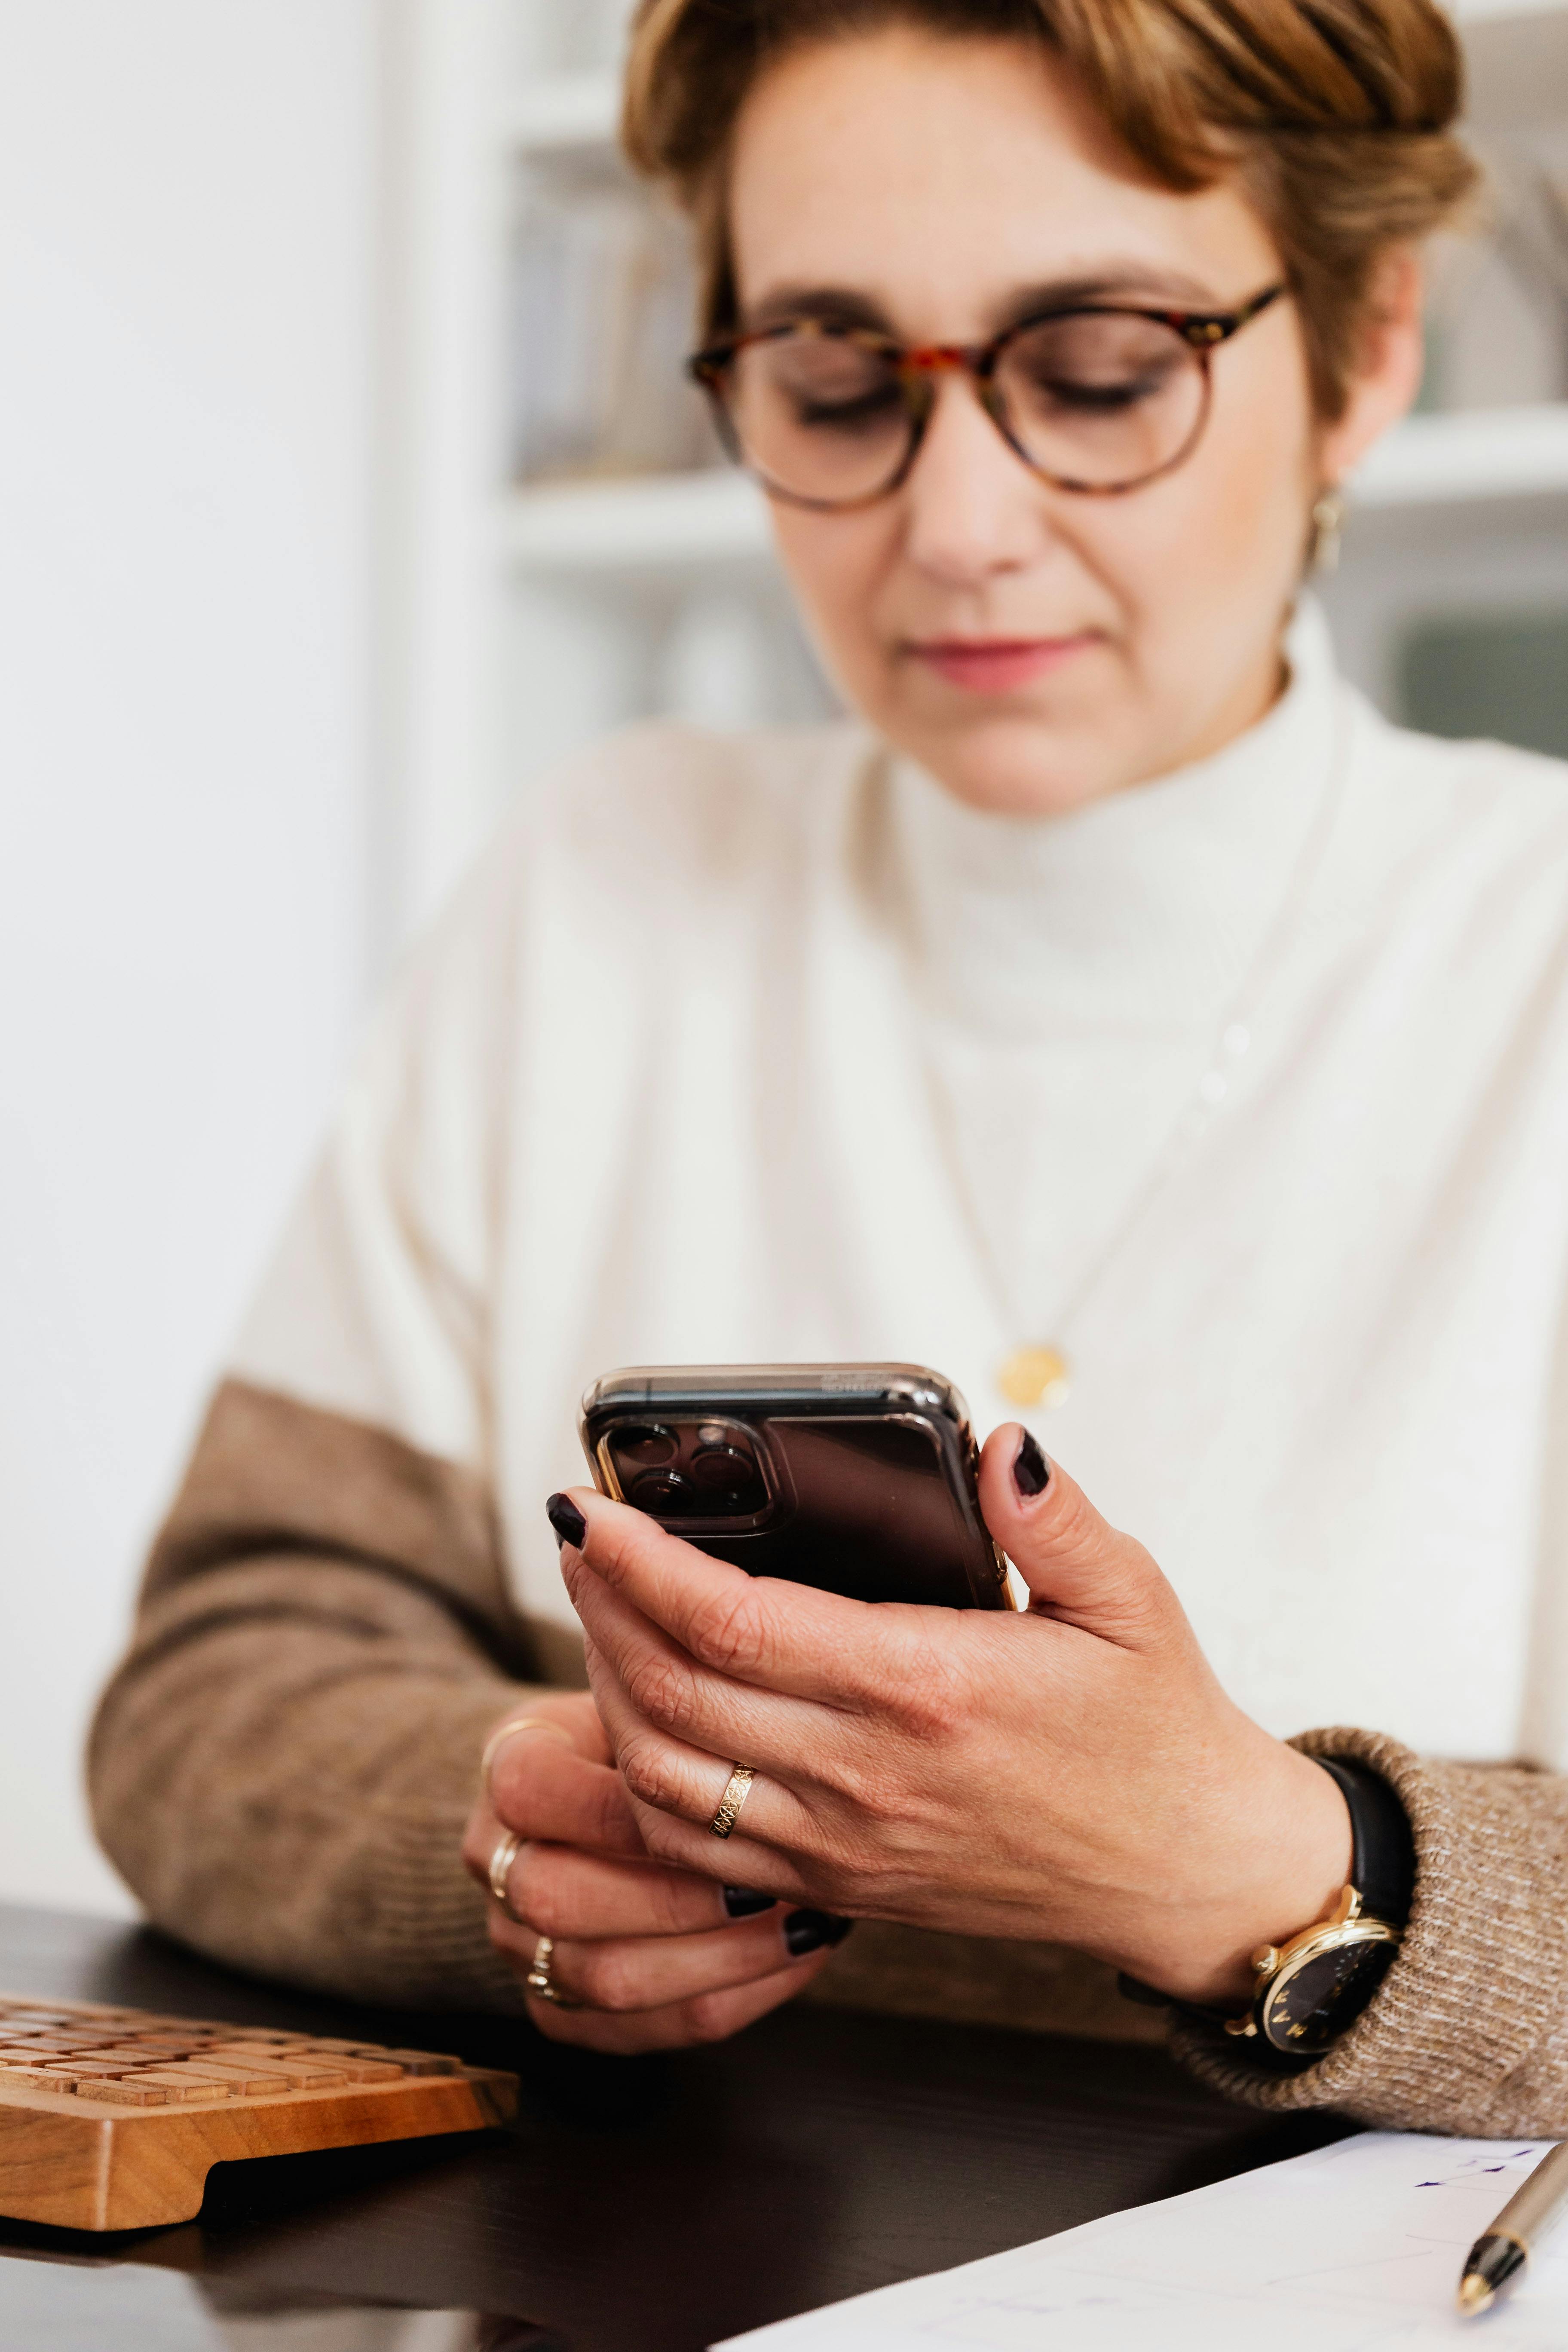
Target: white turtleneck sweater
{"x":1248,"y":1087}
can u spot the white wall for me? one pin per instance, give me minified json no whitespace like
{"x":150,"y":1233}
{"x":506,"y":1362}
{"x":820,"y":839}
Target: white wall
{"x":186,"y":283}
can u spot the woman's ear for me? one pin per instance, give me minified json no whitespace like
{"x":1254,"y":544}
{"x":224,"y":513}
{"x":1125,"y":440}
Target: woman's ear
{"x":1389,"y":376}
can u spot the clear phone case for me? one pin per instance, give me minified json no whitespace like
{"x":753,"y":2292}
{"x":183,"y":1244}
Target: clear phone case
{"x":856,"y":1478}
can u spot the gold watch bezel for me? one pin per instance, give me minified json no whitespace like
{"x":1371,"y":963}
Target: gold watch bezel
{"x":1278,"y":1964}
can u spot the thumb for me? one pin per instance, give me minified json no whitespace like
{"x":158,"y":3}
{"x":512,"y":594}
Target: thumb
{"x":1078,"y":1568}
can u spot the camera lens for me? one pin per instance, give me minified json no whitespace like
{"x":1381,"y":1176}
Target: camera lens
{"x":728,"y":1479}
{"x":645,"y":1443}
{"x":663,"y":1494}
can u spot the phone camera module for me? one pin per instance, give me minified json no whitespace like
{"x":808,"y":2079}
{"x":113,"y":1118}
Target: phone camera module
{"x":645,"y":1443}
{"x":663,"y":1494}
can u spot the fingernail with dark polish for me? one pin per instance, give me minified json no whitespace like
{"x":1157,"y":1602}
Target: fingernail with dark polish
{"x":807,"y":1931}
{"x":1031,"y":1471}
{"x":567,"y":1520}
{"x":741,"y":1903}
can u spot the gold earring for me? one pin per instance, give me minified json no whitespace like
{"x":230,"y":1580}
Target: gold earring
{"x":1328,"y":525}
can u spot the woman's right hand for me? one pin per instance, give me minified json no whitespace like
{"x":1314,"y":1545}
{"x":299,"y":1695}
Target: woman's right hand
{"x":658,"y":1957}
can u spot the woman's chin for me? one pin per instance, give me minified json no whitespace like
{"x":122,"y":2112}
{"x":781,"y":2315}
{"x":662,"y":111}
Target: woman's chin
{"x":1014,"y":766}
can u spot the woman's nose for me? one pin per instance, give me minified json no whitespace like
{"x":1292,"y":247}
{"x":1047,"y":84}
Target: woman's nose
{"x":972,"y":507}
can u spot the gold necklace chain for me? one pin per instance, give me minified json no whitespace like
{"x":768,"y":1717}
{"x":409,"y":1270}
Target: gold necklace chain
{"x":1038,"y":1374}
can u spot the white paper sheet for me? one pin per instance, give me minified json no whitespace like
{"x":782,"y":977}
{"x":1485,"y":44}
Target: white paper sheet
{"x":1357,"y":2248}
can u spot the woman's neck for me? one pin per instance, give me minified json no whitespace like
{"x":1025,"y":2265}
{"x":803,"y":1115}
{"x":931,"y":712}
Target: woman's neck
{"x":1146,"y":906}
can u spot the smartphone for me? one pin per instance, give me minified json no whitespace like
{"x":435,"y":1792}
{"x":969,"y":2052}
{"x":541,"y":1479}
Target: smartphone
{"x":856,"y":1478}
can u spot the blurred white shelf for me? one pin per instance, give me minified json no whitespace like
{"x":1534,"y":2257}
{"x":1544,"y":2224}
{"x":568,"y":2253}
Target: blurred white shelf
{"x":639,"y":526}
{"x":556,"y":112}
{"x":678,"y":521}
{"x":1494,"y":453}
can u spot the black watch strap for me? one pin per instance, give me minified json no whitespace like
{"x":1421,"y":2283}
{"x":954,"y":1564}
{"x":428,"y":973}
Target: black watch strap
{"x":1382,"y":1858}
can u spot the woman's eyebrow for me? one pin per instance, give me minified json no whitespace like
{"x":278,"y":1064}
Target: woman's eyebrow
{"x":1130,"y":282}
{"x":1106,"y":282}
{"x":841,"y":304}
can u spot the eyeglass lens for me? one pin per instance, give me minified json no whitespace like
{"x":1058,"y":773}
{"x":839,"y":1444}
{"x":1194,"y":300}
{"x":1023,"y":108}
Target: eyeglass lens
{"x":1103,"y":398}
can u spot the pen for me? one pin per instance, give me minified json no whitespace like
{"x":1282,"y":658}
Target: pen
{"x":1498,"y":2257}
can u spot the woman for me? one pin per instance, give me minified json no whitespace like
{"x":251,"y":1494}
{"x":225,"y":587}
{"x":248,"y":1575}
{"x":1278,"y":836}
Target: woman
{"x":1119,"y":1008}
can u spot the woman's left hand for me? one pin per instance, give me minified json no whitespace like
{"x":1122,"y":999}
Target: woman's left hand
{"x":1073,"y":1774}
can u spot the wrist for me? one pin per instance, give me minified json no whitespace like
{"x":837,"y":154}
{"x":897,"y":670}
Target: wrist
{"x":1288,"y":1851}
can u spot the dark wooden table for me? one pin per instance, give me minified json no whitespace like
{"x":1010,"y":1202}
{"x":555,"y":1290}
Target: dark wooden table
{"x":659,"y":2205}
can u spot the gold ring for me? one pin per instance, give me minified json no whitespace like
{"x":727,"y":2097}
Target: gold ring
{"x":737,"y":1788}
{"x":502,"y":1861}
{"x":509,"y":1730}
{"x":539,"y":1983}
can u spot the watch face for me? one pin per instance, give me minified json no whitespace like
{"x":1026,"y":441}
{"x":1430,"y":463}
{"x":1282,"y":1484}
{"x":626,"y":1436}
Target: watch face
{"x":1316,"y":2000}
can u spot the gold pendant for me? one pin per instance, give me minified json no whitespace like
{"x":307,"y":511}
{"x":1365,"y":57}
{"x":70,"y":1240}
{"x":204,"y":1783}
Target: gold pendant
{"x":1036,"y":1376}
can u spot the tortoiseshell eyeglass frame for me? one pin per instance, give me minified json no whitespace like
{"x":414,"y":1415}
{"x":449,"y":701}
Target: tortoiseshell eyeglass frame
{"x":918,"y":368}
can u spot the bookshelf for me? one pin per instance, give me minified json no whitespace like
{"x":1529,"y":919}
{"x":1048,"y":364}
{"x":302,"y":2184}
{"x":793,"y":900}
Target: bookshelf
{"x":523,"y":618}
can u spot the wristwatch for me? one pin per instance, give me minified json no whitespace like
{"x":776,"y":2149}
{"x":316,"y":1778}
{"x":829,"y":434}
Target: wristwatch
{"x":1312,"y":1986}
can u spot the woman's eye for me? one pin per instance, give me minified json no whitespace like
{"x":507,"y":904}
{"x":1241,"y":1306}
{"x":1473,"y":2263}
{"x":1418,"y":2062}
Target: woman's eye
{"x":1094,"y":363}
{"x":1104,"y":396}
{"x":866,"y":410}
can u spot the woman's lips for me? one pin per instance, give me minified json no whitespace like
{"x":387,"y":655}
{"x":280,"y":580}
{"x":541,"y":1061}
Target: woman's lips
{"x":996,"y":665}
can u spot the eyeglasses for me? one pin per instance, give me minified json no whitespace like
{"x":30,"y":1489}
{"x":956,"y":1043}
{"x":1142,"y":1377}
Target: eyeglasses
{"x":1094,"y":398}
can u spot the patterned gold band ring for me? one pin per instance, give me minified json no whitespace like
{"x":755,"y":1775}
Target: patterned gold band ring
{"x":539,"y":1983}
{"x":737,"y":1788}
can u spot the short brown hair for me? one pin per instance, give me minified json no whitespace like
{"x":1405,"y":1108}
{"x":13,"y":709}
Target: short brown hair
{"x":1335,"y":115}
